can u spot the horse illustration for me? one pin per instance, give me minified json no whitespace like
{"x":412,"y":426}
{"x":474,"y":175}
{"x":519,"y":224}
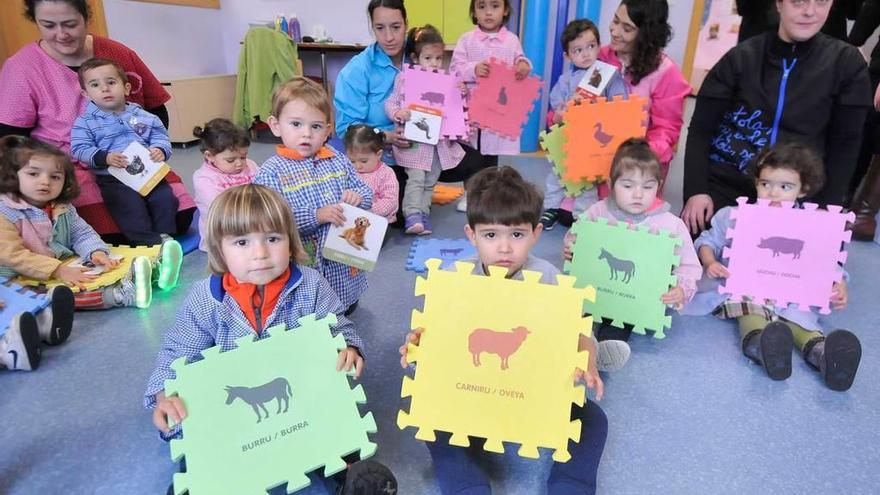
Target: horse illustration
{"x":278,"y":388}
{"x":618,"y":265}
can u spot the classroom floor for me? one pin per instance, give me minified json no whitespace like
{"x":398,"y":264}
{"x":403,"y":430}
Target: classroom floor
{"x":689,"y":414}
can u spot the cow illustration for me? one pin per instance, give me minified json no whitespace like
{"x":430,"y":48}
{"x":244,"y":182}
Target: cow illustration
{"x":434,"y":98}
{"x":278,"y":389}
{"x":618,"y":265}
{"x":505,"y":344}
{"x":783,"y":245}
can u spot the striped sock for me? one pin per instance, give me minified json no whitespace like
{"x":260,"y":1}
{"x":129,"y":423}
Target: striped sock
{"x":92,"y":300}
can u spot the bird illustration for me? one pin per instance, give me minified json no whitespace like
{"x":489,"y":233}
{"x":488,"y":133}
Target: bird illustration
{"x":502,"y":96}
{"x":423,"y":125}
{"x":601,"y":137}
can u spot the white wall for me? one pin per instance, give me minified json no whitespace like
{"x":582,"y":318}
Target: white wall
{"x":174,"y":41}
{"x":679,"y":18}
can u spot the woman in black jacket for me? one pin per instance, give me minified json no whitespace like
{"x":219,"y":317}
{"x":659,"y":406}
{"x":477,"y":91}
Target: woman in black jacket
{"x":761,"y":15}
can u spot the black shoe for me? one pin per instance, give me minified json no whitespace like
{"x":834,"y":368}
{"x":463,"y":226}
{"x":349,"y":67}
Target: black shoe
{"x":61,"y":309}
{"x":549,"y":218}
{"x":774,"y":346}
{"x":566,"y":218}
{"x":842,"y":355}
{"x":368,"y":478}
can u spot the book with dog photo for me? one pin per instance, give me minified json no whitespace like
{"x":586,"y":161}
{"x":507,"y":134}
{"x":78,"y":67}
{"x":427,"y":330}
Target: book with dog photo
{"x":141,"y":174}
{"x":424,"y":125}
{"x":358,"y":241}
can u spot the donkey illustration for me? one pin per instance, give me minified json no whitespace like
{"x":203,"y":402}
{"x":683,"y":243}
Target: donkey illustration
{"x":258,"y":396}
{"x":618,"y":265}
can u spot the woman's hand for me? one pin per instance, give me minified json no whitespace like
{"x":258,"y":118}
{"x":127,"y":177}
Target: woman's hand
{"x":350,"y":358}
{"x":697,"y":212}
{"x":330,"y":214}
{"x":167,"y":408}
{"x":411,"y":338}
{"x":75,"y":277}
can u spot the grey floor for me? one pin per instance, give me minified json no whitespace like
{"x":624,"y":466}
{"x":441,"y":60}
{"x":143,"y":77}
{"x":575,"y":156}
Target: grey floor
{"x":688,"y":415}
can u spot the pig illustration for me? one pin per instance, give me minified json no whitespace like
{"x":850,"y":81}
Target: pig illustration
{"x":783,"y":245}
{"x":434,"y":98}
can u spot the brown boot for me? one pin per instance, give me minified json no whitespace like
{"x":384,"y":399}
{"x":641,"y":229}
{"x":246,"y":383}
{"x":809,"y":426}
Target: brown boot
{"x":866,"y":202}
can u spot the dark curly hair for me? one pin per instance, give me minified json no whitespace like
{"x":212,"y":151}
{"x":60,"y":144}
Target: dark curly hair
{"x":219,"y":135}
{"x":81,"y":6}
{"x":16,"y":152}
{"x":363,"y":137}
{"x":652,"y":19}
{"x":797,"y":157}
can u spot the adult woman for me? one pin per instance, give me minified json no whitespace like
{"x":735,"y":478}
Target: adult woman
{"x":42,"y":97}
{"x":366,"y":82}
{"x":639,"y":32}
{"x":794,"y":84}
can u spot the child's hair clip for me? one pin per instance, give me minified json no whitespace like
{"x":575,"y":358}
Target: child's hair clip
{"x":376,"y":131}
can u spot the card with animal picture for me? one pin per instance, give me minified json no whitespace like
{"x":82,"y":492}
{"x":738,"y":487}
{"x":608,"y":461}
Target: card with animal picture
{"x":784,"y":254}
{"x":358,"y":241}
{"x":142,"y":174}
{"x":596,"y":79}
{"x":93,"y":268}
{"x":441,"y":91}
{"x":630,"y":269}
{"x":424,"y":125}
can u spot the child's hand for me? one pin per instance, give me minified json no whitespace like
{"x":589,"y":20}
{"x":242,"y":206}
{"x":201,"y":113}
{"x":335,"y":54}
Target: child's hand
{"x":592,"y":380}
{"x":352,"y":198}
{"x":348,"y":358}
{"x":167,"y":408}
{"x":402,"y":115}
{"x":76,"y":277}
{"x":674,"y":298}
{"x":117,"y":160}
{"x":101,"y":258}
{"x":839,"y":298}
{"x":411,"y":338}
{"x":157,"y":155}
{"x":557,"y":116}
{"x":463,"y":87}
{"x":522,"y":70}
{"x":482,"y":69}
{"x":717,"y":270}
{"x":330,"y":214}
{"x":567,"y":243}
{"x":396,"y":138}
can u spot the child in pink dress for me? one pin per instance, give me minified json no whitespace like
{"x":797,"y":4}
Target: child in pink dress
{"x":364,"y":145}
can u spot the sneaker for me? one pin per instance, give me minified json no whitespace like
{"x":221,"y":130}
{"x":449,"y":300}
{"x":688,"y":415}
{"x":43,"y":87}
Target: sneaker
{"x":170,"y":260}
{"x":426,"y":224}
{"x":462,"y":203}
{"x":20,"y":345}
{"x":612,"y":355}
{"x":565,"y":218}
{"x":843,"y":352}
{"x":413,"y":224}
{"x":136,"y":289}
{"x":368,"y":478}
{"x":774,"y":346}
{"x":55,"y":322}
{"x":549,"y":218}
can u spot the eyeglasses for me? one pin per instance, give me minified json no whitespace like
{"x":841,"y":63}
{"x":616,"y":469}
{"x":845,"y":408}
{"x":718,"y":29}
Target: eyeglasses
{"x":803,"y":3}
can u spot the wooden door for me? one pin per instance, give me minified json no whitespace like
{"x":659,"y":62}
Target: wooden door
{"x":17,"y":31}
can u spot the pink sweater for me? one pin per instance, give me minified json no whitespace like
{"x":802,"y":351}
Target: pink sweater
{"x":385,"y":191}
{"x":665,"y":89}
{"x":208,"y":183}
{"x":658,"y":217}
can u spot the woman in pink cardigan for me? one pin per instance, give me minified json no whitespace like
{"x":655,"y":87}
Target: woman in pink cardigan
{"x":639,"y":32}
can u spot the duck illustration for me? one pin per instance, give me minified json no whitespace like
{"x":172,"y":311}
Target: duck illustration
{"x":601,"y":137}
{"x":423,"y":125}
{"x":502,"y":96}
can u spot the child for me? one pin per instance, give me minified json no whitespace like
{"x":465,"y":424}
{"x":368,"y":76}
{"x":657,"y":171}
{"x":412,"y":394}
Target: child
{"x":20,"y":341}
{"x":364,"y":145}
{"x":786,"y":172}
{"x":98,"y":137}
{"x":253,"y":252}
{"x":423,"y":162}
{"x":503,"y":223}
{"x":580,"y":42}
{"x":225,"y":146}
{"x":42,"y":231}
{"x":636,"y":175}
{"x":314,"y":178}
{"x":471,"y":59}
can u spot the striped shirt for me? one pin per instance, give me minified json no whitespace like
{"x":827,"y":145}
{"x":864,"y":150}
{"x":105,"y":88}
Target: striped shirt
{"x":311,"y":183}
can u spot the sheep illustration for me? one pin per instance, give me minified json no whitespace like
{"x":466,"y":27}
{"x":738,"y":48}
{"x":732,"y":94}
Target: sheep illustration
{"x":504,"y":344}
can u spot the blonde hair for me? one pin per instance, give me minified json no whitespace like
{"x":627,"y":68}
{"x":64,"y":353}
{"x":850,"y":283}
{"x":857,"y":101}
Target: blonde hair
{"x":248,"y":208}
{"x":301,"y":88}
